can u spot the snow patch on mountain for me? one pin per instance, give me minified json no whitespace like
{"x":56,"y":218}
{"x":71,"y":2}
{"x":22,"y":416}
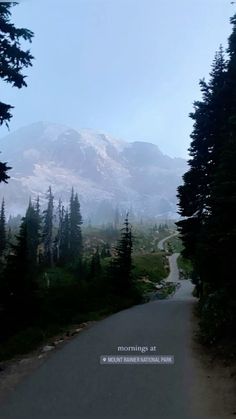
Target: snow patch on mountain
{"x":105,"y":171}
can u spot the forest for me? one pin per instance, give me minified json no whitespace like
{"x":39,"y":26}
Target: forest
{"x":55,"y":272}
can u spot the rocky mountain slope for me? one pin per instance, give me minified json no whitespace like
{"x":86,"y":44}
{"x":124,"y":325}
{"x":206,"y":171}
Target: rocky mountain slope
{"x":105,"y":171}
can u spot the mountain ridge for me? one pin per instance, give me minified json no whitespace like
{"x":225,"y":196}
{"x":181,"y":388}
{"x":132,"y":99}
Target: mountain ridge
{"x":106,"y":172}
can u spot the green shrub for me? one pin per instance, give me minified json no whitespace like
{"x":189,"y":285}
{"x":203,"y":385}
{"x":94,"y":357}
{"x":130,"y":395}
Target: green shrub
{"x":217,"y":316}
{"x":150,"y":265}
{"x":185,"y":267}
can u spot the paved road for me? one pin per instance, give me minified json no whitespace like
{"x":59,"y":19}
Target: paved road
{"x":161,"y":244}
{"x":184,"y":292}
{"x":72,"y":384}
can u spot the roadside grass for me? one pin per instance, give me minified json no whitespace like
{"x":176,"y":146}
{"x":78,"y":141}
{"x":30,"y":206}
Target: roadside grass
{"x":149,"y":270}
{"x":56,"y":276}
{"x":32,"y":338}
{"x":185,"y":267}
{"x":167,"y":290}
{"x":174,"y":245}
{"x":146,"y":240}
{"x":26,"y":341}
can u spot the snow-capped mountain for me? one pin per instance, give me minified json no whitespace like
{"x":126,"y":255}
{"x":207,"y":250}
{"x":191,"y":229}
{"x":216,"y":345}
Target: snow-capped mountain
{"x":106,"y":172}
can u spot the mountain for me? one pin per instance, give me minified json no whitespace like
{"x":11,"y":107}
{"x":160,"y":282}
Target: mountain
{"x":105,"y":171}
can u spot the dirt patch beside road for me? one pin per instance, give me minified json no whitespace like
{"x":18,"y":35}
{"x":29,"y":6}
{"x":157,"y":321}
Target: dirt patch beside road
{"x":217,"y":376}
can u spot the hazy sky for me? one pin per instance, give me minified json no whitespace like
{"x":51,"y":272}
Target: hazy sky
{"x":126,"y":67}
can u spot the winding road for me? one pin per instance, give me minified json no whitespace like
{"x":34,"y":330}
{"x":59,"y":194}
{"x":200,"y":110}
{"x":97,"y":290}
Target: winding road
{"x":72,"y":384}
{"x":161,"y":243}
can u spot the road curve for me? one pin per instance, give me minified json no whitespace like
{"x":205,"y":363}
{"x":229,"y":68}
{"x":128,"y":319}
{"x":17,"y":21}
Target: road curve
{"x":185,"y":291}
{"x":72,"y":384}
{"x":161,"y":243}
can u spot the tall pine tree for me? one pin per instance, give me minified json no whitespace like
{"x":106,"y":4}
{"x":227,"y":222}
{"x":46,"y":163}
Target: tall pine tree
{"x":3,"y":239}
{"x":194,"y":195}
{"x":221,"y":229}
{"x":13,"y":59}
{"x":75,"y":219}
{"x":48,"y":229}
{"x":121,"y":265}
{"x":64,"y":245}
{"x":207,"y":198}
{"x":58,"y":237}
{"x":22,"y":261}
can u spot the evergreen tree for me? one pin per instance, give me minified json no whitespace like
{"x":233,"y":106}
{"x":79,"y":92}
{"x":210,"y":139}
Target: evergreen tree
{"x":208,"y":196}
{"x":13,"y":59}
{"x":121,"y":266}
{"x":3,"y":238}
{"x":9,"y":238}
{"x":14,"y":223}
{"x":95,"y":266}
{"x":48,"y":229}
{"x":221,"y":229}
{"x":37,"y":207}
{"x":105,"y":252}
{"x":22,"y":260}
{"x":75,"y":228}
{"x":38,"y":221}
{"x":59,"y":224}
{"x":64,"y":246}
{"x":207,"y":137}
{"x":32,"y":222}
